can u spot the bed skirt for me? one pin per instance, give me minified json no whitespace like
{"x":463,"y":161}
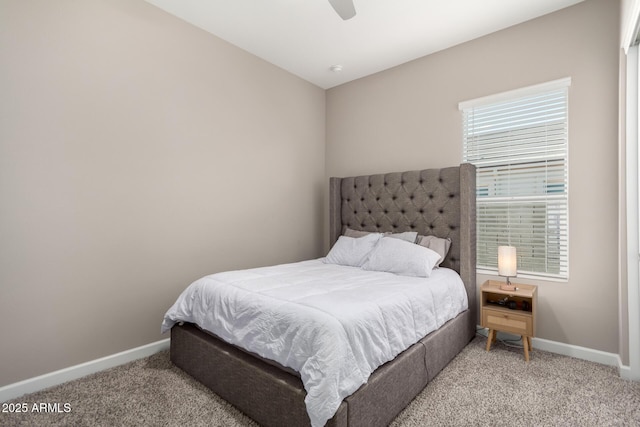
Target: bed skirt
{"x":274,"y":396}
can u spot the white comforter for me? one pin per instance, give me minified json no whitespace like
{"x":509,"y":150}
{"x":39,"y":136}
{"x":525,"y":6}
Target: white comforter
{"x":333,"y":324}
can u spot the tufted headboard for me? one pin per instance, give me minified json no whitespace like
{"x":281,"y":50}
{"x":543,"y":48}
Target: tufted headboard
{"x":439,"y":202}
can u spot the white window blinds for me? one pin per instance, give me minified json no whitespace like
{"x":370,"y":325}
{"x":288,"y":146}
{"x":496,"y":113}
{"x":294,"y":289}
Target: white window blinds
{"x":518,"y":142}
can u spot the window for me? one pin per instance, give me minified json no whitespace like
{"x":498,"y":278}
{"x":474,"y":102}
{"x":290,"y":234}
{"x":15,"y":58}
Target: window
{"x":518,"y":142}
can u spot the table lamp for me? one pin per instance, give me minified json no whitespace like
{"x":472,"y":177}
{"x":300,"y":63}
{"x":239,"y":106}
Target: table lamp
{"x":507,"y":266}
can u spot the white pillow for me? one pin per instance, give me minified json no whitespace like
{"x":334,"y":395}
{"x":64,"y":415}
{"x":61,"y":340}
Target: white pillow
{"x":352,"y":251}
{"x":401,"y":257}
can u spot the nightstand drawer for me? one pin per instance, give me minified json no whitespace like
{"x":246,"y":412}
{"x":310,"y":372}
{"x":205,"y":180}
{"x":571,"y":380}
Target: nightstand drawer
{"x":507,"y":321}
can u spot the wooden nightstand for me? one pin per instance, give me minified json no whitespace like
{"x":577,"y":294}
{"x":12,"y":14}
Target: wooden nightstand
{"x":496,"y":315}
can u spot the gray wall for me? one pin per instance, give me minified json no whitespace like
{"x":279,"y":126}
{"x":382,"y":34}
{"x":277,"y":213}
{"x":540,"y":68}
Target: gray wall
{"x":138,"y":153}
{"x":407,"y":118}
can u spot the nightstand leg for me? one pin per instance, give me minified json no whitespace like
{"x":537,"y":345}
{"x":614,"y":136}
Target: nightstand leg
{"x":490,"y":338}
{"x":525,"y":345}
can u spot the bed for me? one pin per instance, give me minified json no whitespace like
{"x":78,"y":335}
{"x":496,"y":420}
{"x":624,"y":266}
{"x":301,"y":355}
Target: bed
{"x":430,"y":202}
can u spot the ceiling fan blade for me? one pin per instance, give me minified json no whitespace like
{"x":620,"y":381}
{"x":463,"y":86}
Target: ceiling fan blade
{"x":344,"y":8}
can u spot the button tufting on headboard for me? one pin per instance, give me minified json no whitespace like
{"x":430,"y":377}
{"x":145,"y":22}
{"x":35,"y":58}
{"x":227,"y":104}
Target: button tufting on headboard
{"x":439,"y":202}
{"x":425,"y":201}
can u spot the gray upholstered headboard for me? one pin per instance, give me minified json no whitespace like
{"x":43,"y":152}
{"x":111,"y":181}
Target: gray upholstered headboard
{"x":439,"y":202}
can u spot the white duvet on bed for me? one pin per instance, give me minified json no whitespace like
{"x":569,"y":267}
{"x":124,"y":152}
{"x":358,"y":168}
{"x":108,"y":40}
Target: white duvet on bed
{"x":333,"y":324}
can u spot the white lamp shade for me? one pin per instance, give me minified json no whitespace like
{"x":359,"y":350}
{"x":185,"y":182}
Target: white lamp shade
{"x":507,"y":262}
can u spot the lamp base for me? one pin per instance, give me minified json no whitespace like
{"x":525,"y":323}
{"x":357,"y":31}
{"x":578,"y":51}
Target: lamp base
{"x":508,"y":286}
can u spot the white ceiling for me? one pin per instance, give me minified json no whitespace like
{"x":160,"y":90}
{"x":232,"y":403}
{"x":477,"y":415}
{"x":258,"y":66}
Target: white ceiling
{"x":307,"y":37}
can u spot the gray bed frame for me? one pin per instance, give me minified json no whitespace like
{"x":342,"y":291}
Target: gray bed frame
{"x":438,"y":202}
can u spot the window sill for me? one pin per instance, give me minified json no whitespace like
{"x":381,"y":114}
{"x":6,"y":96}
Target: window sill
{"x":536,"y":277}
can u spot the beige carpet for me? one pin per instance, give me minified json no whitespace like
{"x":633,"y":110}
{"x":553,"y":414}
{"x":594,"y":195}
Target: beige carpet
{"x":477,"y":389}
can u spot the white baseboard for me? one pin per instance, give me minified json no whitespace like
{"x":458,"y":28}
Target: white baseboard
{"x":628,"y":372}
{"x":584,"y":353}
{"x":51,"y":379}
{"x":576,"y":351}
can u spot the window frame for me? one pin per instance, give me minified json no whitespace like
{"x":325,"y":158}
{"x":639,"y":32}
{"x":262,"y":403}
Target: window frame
{"x":513,"y":96}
